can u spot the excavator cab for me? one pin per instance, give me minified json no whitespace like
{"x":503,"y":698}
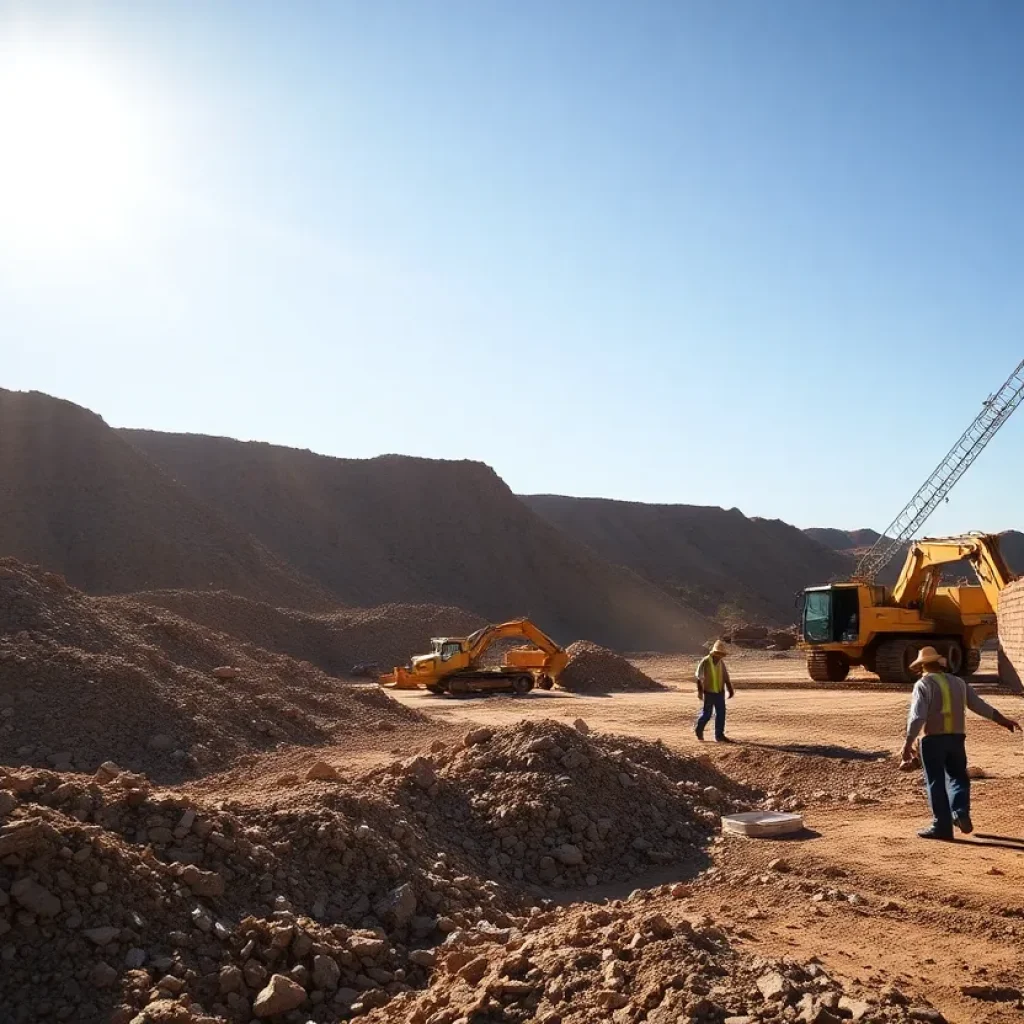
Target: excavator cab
{"x":831,"y":614}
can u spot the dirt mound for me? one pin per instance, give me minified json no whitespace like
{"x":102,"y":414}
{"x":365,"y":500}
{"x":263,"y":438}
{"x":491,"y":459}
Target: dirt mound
{"x":719,"y":561}
{"x":423,"y":531}
{"x":548,"y":804}
{"x":334,"y":641}
{"x":595,"y":669}
{"x":118,"y":898}
{"x":641,"y":959}
{"x":88,"y":680}
{"x":77,"y":498}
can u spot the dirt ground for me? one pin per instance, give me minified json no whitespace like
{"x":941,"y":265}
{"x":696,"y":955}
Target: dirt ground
{"x":856,"y":888}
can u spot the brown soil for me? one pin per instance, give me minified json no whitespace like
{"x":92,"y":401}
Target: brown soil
{"x":77,"y":498}
{"x":118,"y":895}
{"x":594,"y":669}
{"x":86,"y":680}
{"x":422,"y":531}
{"x":486,"y":874}
{"x":937,"y":920}
{"x":335,"y":641}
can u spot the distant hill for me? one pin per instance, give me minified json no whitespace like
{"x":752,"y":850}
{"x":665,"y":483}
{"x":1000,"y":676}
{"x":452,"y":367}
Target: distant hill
{"x":77,"y":498}
{"x":853,"y":543}
{"x":422,"y":531}
{"x":724,"y":563}
{"x":843,"y":540}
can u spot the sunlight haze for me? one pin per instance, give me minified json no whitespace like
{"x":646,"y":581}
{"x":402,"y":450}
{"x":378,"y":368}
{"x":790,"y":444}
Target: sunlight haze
{"x":747,"y":254}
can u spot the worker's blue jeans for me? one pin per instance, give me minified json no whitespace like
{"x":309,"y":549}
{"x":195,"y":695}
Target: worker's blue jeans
{"x":714,"y":703}
{"x":944,"y":759}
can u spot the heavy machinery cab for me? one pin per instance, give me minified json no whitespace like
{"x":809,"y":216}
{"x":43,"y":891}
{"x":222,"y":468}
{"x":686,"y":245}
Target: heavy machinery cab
{"x":832,"y":614}
{"x":445,"y":648}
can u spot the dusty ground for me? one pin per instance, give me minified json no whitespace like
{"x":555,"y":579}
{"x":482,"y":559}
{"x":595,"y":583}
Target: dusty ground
{"x":875,"y":903}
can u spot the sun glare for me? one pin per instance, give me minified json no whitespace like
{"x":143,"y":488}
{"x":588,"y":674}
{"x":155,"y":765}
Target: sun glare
{"x":75,"y":158}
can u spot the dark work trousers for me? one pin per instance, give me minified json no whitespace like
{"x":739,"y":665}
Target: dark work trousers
{"x":714,"y":703}
{"x":944,"y":759}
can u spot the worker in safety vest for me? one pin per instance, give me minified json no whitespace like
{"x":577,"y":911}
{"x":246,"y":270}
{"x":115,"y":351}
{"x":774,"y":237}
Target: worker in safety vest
{"x":713,"y":684}
{"x":938,"y":708}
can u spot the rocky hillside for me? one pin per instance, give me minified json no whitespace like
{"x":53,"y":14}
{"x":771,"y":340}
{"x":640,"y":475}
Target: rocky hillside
{"x":77,"y":498}
{"x":397,"y":529}
{"x":722,"y":562}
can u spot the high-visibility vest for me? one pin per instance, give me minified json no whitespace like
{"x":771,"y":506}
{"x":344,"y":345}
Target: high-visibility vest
{"x":950,"y":714}
{"x":712,"y":675}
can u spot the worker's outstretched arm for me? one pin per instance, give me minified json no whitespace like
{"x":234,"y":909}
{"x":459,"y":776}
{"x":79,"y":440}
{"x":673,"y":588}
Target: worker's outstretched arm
{"x":917,"y":716}
{"x":700,"y":674}
{"x":728,"y":682}
{"x":980,"y":706}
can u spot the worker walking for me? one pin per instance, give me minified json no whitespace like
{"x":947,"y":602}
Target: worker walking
{"x":713,"y":683}
{"x":938,"y":708}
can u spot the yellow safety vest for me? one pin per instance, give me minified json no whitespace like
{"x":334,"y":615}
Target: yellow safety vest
{"x":712,"y":676}
{"x":948,"y":718}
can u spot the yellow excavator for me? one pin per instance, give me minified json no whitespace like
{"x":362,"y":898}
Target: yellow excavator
{"x":862,"y":623}
{"x":456,"y":664}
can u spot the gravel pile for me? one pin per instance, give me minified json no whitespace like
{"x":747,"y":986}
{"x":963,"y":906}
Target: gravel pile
{"x":542,"y":802}
{"x":120,"y":899}
{"x":595,"y":669}
{"x":117,"y":900}
{"x":87,"y":680}
{"x":639,"y":960}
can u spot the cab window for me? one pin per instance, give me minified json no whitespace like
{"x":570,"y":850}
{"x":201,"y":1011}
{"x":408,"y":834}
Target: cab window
{"x":818,"y":617}
{"x":449,"y":651}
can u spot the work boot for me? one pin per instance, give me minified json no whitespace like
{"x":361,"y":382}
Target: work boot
{"x":934,"y":833}
{"x":699,"y":733}
{"x":964,"y":823}
{"x":722,"y":739}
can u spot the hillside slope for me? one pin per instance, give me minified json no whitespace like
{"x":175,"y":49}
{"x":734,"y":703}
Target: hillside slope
{"x":722,"y":562}
{"x":77,"y":498}
{"x":421,"y":531}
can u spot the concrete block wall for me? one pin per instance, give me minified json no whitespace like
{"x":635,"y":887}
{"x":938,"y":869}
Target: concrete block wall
{"x":1011,"y":636}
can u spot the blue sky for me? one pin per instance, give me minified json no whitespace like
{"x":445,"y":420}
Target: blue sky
{"x":765,"y":255}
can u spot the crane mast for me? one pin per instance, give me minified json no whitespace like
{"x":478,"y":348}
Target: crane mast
{"x":996,"y":410}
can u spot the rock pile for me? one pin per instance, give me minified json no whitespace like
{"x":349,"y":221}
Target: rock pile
{"x":122,"y":902}
{"x":642,"y":959}
{"x":91,"y":679}
{"x":597,"y":670}
{"x":540,"y":802}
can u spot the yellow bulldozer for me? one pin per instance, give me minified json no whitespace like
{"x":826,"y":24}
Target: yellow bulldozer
{"x":863,"y":623}
{"x":457,"y":665}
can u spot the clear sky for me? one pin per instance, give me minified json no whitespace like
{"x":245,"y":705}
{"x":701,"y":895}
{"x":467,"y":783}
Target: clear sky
{"x":765,"y":255}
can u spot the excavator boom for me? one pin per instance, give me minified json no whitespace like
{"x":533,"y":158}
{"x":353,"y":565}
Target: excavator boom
{"x":925,"y":556}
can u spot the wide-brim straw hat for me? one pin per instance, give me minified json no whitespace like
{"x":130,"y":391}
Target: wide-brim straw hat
{"x":719,"y":648}
{"x":928,"y":656}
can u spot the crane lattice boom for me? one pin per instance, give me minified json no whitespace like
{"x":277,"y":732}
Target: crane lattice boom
{"x":995,"y":412}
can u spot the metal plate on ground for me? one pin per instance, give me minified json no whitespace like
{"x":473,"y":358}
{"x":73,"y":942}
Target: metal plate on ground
{"x":762,"y":824}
